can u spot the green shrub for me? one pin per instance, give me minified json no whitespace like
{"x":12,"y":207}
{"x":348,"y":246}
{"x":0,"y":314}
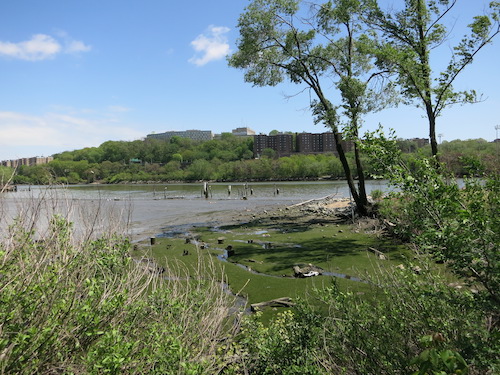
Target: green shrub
{"x":381,"y":333}
{"x":80,"y":304}
{"x":287,"y":345}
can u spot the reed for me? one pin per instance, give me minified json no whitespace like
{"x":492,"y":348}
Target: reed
{"x":72,"y":300}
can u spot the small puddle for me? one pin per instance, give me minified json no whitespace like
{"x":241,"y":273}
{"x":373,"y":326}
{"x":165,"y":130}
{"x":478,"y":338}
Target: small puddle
{"x":343,"y":276}
{"x":172,"y":234}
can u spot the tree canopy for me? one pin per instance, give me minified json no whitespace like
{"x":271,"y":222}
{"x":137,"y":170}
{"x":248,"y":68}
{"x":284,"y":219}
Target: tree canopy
{"x":410,"y":38}
{"x":317,"y":47}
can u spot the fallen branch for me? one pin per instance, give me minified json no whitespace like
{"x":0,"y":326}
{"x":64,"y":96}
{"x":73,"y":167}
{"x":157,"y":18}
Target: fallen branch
{"x":312,"y":200}
{"x":278,"y":302}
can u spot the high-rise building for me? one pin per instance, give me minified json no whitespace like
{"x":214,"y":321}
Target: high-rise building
{"x":196,"y":135}
{"x":306,"y":143}
{"x":281,"y":143}
{"x":311,"y":143}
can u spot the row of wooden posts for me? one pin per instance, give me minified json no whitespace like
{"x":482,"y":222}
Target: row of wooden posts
{"x":244,"y":193}
{"x":206,"y":191}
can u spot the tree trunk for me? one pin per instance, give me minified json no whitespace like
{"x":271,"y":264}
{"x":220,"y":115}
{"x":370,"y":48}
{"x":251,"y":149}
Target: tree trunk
{"x":361,"y":180}
{"x":432,"y":132}
{"x":361,"y":202}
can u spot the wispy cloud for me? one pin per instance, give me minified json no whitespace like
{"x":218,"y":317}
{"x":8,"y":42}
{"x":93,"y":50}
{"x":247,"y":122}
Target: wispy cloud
{"x":76,"y":46}
{"x":60,"y":131}
{"x":41,"y":47}
{"x":210,"y":46}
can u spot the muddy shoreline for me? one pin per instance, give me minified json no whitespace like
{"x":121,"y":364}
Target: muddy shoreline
{"x":145,"y":218}
{"x":244,"y":212}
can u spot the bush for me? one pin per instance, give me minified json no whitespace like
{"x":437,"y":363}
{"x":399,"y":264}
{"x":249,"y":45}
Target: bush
{"x":76,"y":302}
{"x":287,"y":345}
{"x":381,"y":334}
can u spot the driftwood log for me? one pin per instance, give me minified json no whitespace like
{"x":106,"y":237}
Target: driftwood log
{"x":380,"y":255}
{"x":278,"y":302}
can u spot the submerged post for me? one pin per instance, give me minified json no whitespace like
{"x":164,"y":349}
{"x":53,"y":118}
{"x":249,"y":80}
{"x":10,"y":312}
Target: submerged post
{"x":205,"y":190}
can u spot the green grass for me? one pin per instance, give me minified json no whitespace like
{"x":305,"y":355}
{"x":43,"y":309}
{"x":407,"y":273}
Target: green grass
{"x":333,"y":247}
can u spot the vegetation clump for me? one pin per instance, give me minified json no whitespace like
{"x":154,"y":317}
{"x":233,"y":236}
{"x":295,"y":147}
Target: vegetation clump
{"x":82,"y":305}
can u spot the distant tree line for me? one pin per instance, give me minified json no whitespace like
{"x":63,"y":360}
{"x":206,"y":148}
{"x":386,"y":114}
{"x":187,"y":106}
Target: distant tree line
{"x":227,"y":159}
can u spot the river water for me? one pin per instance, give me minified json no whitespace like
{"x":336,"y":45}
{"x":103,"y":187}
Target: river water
{"x":146,"y":210}
{"x":280,"y":191}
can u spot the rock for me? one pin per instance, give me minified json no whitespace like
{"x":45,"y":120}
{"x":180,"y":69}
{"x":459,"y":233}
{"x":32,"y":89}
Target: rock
{"x":307,"y":271}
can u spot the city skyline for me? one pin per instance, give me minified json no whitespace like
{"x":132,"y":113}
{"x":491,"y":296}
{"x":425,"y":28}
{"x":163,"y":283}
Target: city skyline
{"x":75,"y":75}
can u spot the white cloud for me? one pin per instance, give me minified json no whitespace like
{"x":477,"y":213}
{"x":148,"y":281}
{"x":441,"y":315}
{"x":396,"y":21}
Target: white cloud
{"x":210,"y":46}
{"x":76,"y":46}
{"x":58,"y":132}
{"x":41,"y":47}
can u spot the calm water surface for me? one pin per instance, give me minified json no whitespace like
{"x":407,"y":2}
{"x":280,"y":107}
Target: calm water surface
{"x":260,"y":191}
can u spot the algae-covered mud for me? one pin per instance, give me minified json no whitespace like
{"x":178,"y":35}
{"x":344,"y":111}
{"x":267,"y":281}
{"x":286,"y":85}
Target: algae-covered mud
{"x":281,"y":252}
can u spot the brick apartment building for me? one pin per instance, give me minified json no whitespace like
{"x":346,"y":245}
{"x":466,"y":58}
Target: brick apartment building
{"x":305,"y":143}
{"x":281,"y":143}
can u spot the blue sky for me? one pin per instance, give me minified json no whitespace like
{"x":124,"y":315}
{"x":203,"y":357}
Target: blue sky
{"x":74,"y":74}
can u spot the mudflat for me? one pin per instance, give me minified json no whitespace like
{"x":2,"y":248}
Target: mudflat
{"x":139,"y":219}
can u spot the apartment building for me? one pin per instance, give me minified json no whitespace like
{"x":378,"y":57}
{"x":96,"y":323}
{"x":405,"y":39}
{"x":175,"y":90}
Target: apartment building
{"x":195,"y":135}
{"x":281,"y":143}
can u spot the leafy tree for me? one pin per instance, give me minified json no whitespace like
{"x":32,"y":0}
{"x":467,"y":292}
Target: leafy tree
{"x":409,"y":39}
{"x":269,"y":153}
{"x":278,"y":42}
{"x":116,"y":151}
{"x":6,"y":174}
{"x":200,"y":170}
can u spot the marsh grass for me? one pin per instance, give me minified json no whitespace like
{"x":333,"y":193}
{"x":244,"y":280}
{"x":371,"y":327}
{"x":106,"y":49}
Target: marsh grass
{"x":72,"y":300}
